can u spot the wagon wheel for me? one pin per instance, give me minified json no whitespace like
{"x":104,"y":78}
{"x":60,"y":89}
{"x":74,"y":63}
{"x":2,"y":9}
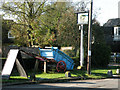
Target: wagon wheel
{"x":61,"y":66}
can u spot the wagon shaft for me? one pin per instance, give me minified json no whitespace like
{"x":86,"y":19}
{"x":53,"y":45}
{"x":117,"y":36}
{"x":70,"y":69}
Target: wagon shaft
{"x":34,"y":55}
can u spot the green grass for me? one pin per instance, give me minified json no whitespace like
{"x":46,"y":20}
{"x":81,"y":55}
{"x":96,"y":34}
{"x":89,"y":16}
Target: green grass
{"x":50,"y":75}
{"x":15,"y":79}
{"x":18,"y":77}
{"x":104,"y":71}
{"x":3,"y":58}
{"x":95,"y":74}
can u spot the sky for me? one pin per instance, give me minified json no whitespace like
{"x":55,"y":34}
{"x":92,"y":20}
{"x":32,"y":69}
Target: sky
{"x":106,"y":9}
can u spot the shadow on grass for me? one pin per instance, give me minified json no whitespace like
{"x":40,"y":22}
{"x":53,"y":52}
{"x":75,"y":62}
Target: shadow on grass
{"x":100,"y":74}
{"x":78,"y":73}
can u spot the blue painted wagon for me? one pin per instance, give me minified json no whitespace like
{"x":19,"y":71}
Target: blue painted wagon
{"x":64,"y":62}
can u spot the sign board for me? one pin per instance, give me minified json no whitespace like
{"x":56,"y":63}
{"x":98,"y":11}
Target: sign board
{"x":89,"y":53}
{"x":9,"y":64}
{"x":82,"y":18}
{"x":12,"y":55}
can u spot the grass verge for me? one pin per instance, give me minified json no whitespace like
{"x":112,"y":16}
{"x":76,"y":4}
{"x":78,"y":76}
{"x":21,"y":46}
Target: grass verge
{"x":95,"y":74}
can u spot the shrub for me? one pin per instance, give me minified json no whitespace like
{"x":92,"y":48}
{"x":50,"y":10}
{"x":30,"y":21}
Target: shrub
{"x":100,"y":55}
{"x":70,"y":53}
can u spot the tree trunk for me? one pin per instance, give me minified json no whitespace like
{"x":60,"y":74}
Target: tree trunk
{"x":29,"y":38}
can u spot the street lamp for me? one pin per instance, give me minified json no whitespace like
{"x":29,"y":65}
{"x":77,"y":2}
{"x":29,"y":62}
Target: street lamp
{"x":82,"y":18}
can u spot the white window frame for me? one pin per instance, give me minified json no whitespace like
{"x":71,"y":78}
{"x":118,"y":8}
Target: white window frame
{"x":9,"y":36}
{"x":116,"y":33}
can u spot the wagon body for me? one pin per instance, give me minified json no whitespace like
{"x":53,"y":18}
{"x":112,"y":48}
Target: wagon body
{"x":57,"y":55}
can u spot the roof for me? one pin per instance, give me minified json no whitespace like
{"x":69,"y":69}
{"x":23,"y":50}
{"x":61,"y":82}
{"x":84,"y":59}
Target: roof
{"x":112,"y":22}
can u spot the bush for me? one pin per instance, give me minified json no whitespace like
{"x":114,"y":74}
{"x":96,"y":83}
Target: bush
{"x":70,"y":53}
{"x":100,"y":55}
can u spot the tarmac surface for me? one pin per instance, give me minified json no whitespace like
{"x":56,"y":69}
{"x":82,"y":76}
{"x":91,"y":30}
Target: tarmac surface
{"x":101,"y":84}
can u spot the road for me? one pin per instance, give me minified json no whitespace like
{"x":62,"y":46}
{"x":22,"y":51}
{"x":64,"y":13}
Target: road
{"x":83,"y":84}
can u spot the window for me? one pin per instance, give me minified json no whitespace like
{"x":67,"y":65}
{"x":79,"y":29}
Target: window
{"x":116,"y":34}
{"x":119,"y":31}
{"x":10,"y":35}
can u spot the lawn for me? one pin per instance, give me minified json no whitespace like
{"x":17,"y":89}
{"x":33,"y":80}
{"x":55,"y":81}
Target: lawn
{"x":95,"y":74}
{"x":51,"y":75}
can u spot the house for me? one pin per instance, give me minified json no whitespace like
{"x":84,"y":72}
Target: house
{"x":7,"y":38}
{"x":112,"y":34}
{"x":116,"y":33}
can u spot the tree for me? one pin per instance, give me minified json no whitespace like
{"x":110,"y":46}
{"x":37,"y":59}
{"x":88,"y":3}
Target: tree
{"x":40,"y":23}
{"x":60,"y":22}
{"x":36,"y":23}
{"x":100,"y":50}
{"x":62,"y":25}
{"x":52,"y":20}
{"x":27,"y":28}
{"x":68,"y":33}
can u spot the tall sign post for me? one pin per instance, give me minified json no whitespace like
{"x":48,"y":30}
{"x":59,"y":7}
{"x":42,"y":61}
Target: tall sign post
{"x":82,"y":18}
{"x":89,"y":39}
{"x":81,"y":46}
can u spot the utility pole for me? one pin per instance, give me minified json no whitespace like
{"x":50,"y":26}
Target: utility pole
{"x":89,"y":39}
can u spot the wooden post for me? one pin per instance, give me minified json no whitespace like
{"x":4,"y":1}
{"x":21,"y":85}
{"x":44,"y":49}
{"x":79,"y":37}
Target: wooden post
{"x":45,"y":66}
{"x":89,"y":39}
{"x":20,"y":69}
{"x":36,"y":65}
